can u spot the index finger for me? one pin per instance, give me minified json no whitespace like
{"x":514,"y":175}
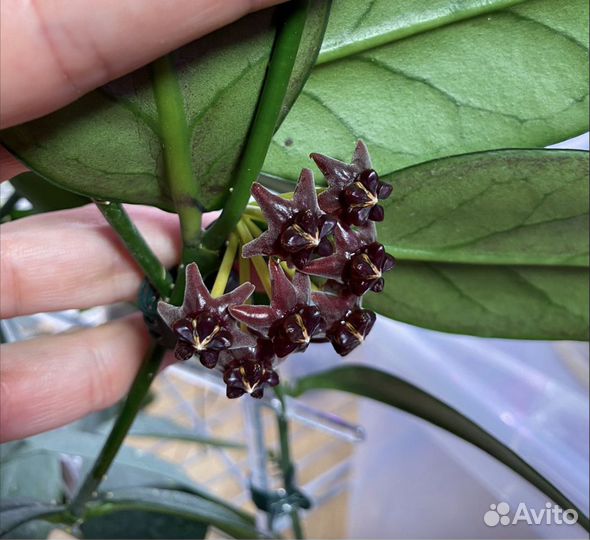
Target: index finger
{"x":73,"y":259}
{"x":67,"y":52}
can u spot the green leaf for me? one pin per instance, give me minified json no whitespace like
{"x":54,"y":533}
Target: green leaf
{"x":30,"y":529}
{"x":492,"y":244}
{"x":107,"y":144}
{"x":14,"y":517}
{"x":35,"y":529}
{"x":517,"y":77}
{"x":393,"y":391}
{"x":142,"y":524}
{"x":153,"y":469}
{"x":9,"y":450}
{"x":147,"y":425}
{"x":518,"y":302}
{"x":356,"y":27}
{"x":36,"y":475}
{"x":506,"y":207}
{"x":163,"y":428}
{"x":175,"y":503}
{"x":45,"y":196}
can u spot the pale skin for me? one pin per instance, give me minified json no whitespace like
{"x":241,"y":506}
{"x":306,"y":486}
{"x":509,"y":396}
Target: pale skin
{"x":52,"y":52}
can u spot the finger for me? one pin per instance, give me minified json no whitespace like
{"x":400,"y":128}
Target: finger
{"x":66,"y":52}
{"x":73,"y":259}
{"x":51,"y":381}
{"x":9,"y":167}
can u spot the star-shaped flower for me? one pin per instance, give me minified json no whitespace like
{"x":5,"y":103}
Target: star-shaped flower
{"x":347,"y":324}
{"x":291,"y":320}
{"x":354,"y":188}
{"x":358,"y":261}
{"x":203,"y":325}
{"x":250,"y":370}
{"x":296,"y":229}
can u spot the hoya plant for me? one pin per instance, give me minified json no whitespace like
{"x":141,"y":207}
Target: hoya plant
{"x":363,"y":159}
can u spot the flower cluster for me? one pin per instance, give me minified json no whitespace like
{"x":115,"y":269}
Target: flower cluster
{"x":331,"y":236}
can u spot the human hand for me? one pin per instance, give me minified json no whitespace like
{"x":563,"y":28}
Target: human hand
{"x":52,"y":53}
{"x":63,"y":260}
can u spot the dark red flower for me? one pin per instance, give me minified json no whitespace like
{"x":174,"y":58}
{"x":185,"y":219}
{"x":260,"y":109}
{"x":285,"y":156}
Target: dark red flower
{"x":354,"y":188}
{"x":358,"y":261}
{"x":366,"y":267}
{"x":250,"y":370}
{"x":291,"y":320}
{"x":347,"y":323}
{"x":297,"y":229}
{"x":203,"y":325}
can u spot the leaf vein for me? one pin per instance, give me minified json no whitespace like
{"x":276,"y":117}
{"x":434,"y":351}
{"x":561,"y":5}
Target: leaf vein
{"x":350,"y":128}
{"x":552,"y":29}
{"x":456,"y":101}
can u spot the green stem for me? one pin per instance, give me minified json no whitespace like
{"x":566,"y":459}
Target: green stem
{"x":254,"y":229}
{"x":226,"y":266}
{"x":258,"y":261}
{"x":255,"y":213}
{"x":175,"y":139}
{"x":9,"y":205}
{"x":285,"y":462}
{"x":120,"y":221}
{"x":137,"y":393}
{"x":297,"y":525}
{"x":265,"y":121}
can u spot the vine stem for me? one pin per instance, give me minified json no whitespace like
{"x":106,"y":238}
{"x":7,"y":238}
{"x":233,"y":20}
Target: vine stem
{"x":258,"y":261}
{"x":184,"y":189}
{"x":226,"y":266}
{"x":268,"y":110}
{"x":151,"y":266}
{"x":10,"y":204}
{"x":139,"y":390}
{"x":285,"y":462}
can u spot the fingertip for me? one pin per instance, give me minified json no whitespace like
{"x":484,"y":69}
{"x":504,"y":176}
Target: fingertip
{"x":9,"y":166}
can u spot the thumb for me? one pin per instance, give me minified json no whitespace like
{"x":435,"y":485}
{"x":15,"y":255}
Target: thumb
{"x":54,"y":51}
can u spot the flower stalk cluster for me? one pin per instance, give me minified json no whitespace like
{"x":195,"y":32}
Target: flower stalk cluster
{"x":331,"y":237}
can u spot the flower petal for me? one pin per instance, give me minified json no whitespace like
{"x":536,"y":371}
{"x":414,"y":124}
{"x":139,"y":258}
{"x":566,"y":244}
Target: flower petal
{"x":242,"y":340}
{"x":366,"y":234}
{"x":333,"y":307}
{"x":305,"y":197}
{"x":259,"y":318}
{"x":238,"y":296}
{"x":361,"y":159}
{"x":328,"y":200}
{"x":276,"y":210}
{"x":196,"y":294}
{"x":284,"y":294}
{"x":169,"y":313}
{"x":329,"y":267}
{"x":302,"y":285}
{"x":263,"y":245}
{"x":337,"y":173}
{"x":348,"y":240}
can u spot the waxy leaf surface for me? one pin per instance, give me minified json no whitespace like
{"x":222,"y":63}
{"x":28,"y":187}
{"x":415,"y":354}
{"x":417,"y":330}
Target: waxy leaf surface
{"x":475,"y":76}
{"x":505,"y":207}
{"x":493,"y":244}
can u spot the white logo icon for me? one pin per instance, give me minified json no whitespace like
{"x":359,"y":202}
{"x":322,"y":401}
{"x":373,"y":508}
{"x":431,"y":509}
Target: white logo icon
{"x":498,"y":513}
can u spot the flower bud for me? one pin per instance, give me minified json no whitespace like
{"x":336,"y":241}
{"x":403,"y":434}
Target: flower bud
{"x":350,"y":331}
